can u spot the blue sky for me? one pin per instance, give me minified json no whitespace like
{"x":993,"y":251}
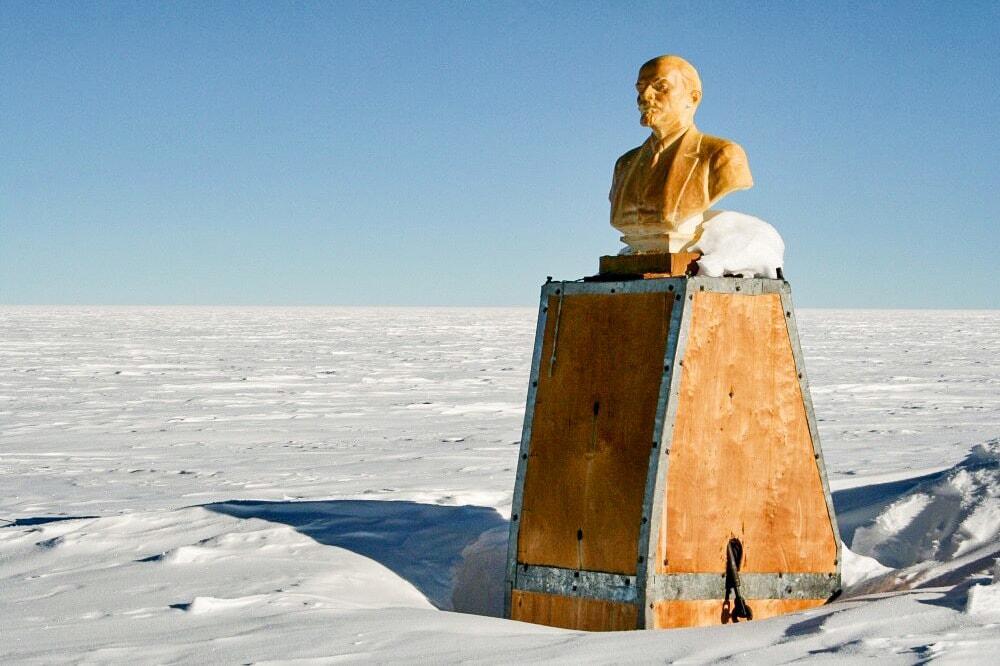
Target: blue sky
{"x":456,"y":153}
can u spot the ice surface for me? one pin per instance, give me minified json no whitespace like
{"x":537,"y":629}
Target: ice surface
{"x":244,"y":485}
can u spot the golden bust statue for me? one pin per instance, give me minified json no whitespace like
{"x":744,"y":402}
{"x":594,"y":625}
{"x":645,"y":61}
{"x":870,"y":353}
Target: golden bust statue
{"x":662,"y":189}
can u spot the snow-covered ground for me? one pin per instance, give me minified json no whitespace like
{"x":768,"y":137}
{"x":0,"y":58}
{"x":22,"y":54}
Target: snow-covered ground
{"x":324,"y":485}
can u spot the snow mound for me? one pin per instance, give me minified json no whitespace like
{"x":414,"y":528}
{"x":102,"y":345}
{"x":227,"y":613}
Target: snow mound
{"x":985,"y":599}
{"x":949,"y":515}
{"x":202,"y":605}
{"x":737,"y":244}
{"x":858,"y":568}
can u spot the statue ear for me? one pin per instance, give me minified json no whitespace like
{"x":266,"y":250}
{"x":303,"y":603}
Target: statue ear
{"x":695,"y":97}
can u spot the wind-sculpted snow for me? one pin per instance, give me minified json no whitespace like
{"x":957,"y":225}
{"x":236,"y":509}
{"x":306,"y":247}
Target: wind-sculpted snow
{"x":244,"y":485}
{"x":422,"y":543}
{"x":946,"y":516}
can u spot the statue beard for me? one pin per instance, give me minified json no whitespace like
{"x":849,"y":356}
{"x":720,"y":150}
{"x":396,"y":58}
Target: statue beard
{"x":647,"y":115}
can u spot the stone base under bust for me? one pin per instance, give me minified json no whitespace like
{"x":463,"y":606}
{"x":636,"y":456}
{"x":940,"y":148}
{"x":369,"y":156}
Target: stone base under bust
{"x":658,"y":264}
{"x":641,"y":238}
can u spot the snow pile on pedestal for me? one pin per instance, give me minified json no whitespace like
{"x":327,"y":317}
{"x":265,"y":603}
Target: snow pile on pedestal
{"x":736,"y":244}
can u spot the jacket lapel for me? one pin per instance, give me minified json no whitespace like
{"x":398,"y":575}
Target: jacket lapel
{"x":679,"y":180}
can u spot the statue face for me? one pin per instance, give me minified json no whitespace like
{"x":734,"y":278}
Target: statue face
{"x":665,"y":103}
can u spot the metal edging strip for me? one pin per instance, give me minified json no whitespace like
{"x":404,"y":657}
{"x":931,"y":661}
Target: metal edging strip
{"x":577,"y":583}
{"x":800,"y":367}
{"x":745,"y":286}
{"x":522,"y":458}
{"x":621,"y":588}
{"x":693,"y":586}
{"x":666,"y":413}
{"x":719,"y":285}
{"x":651,"y":285}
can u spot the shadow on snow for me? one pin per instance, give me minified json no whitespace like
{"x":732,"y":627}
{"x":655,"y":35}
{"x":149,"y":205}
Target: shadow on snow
{"x":455,"y":555}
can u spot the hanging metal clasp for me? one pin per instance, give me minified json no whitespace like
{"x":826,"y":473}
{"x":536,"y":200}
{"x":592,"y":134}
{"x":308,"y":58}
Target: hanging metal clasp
{"x":738,"y":608}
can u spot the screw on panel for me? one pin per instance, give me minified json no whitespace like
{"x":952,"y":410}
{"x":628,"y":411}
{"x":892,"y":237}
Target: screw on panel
{"x":612,"y":291}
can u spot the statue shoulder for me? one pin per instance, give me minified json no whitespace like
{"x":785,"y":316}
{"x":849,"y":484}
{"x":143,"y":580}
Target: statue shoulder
{"x":627,"y":158}
{"x":718,"y":147}
{"x":727,"y":164}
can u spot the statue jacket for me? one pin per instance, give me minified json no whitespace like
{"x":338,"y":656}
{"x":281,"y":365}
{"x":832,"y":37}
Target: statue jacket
{"x":688,"y":178}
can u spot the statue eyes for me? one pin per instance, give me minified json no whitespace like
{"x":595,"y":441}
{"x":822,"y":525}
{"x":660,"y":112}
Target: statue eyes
{"x":660,"y":86}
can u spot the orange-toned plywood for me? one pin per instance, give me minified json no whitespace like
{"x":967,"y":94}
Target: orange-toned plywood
{"x":592,"y":431}
{"x":573,"y":612}
{"x":708,"y":612}
{"x":741,"y":459}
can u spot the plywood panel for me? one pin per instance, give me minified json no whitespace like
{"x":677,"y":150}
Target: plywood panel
{"x":741,"y":459}
{"x":573,"y":612}
{"x":592,"y":430}
{"x":709,"y":612}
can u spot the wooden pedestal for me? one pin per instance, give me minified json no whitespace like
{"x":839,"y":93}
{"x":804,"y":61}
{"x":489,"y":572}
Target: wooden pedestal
{"x":666,"y":417}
